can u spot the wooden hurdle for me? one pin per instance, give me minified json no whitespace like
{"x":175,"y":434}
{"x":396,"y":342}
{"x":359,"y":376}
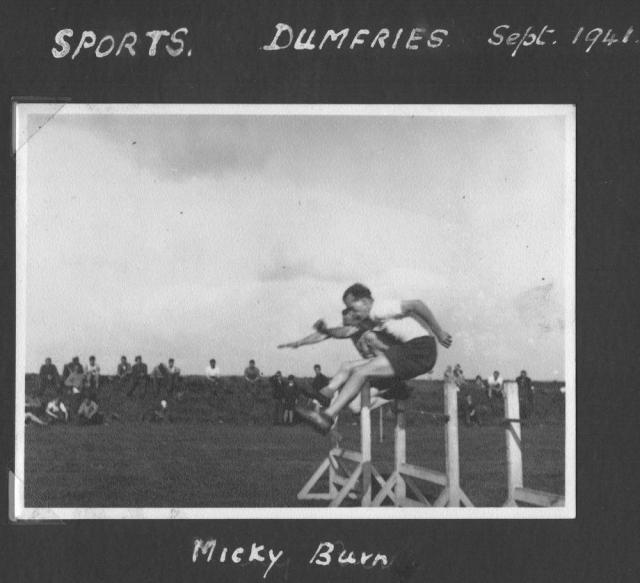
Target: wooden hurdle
{"x":516,"y":491}
{"x":404,"y":474}
{"x":349,"y":473}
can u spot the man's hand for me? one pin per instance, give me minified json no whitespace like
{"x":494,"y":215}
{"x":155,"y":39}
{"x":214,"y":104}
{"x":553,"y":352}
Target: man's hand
{"x":444,"y":338}
{"x":289,"y":345}
{"x":320,"y":326}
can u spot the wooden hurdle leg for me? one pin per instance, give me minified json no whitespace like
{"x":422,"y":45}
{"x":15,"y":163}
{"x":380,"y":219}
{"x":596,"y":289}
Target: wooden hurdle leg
{"x":400,"y":488}
{"x":513,"y":441}
{"x":365,"y":443}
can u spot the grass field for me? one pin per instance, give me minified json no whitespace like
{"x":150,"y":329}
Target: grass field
{"x":223,"y":451}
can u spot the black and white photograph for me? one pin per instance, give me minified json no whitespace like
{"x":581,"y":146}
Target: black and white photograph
{"x":313,"y":292}
{"x":295,"y":311}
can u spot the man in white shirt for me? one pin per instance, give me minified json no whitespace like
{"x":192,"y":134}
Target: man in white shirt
{"x":92,"y":374}
{"x":413,"y":355}
{"x":174,"y":376}
{"x":212,"y":372}
{"x":495,"y":384}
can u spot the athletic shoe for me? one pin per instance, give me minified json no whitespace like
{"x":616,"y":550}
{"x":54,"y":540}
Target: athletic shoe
{"x":317,"y":419}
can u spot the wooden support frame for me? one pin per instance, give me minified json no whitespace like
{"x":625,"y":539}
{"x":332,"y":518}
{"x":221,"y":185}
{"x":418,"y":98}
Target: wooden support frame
{"x":516,"y":492}
{"x":405,"y":474}
{"x":349,"y":472}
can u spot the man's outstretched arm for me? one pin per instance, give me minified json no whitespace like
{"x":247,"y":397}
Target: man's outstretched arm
{"x":419,"y":310}
{"x":322,"y":333}
{"x":312,"y":338}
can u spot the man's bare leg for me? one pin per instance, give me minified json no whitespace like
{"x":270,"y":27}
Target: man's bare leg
{"x":376,"y":401}
{"x":341,"y":376}
{"x":378,"y":367}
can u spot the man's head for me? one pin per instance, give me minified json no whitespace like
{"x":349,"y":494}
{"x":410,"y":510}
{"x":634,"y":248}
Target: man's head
{"x":357,"y":298}
{"x":171,"y":361}
{"x":47,"y":360}
{"x":496,"y":374}
{"x":523,"y":373}
{"x":75,"y":360}
{"x":212,"y":363}
{"x":92,"y":360}
{"x":317,"y":369}
{"x":252,"y":363}
{"x":290,"y":377}
{"x":278,"y":373}
{"x":138,"y":359}
{"x":123,"y":359}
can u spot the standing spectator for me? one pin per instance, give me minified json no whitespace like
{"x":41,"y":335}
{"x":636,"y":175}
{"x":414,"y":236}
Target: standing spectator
{"x":159,"y":378}
{"x":252,"y":373}
{"x":92,"y":374}
{"x":70,"y":367}
{"x":139,"y":376}
{"x":470,"y":412}
{"x":75,"y":383}
{"x":495,"y":383}
{"x":123,"y":371}
{"x":525,"y":390}
{"x":173,"y":377}
{"x":56,"y":411}
{"x":88,"y":412}
{"x":319,"y":382}
{"x":49,"y":378}
{"x":277,"y":384}
{"x":212,"y":372}
{"x":290,"y":398}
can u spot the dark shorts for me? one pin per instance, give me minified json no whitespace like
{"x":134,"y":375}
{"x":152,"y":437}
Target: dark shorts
{"x":413,"y":358}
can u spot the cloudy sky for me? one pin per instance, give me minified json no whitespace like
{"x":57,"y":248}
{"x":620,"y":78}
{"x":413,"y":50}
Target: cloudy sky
{"x":223,"y":235}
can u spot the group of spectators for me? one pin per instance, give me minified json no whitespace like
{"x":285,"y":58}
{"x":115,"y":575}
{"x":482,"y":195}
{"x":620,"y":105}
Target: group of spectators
{"x":286,"y":392}
{"x":493,"y":386}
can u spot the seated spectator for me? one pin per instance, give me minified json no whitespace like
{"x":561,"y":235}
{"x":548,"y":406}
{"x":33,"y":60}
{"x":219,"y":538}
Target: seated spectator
{"x":49,"y":378}
{"x":56,"y":411}
{"x":252,"y":373}
{"x":160,"y":415}
{"x":458,"y":376}
{"x":88,"y":412}
{"x":34,"y":411}
{"x":159,"y":378}
{"x":123,"y":371}
{"x":139,"y":376}
{"x":277,"y":385}
{"x":495,"y":384}
{"x":92,"y":374}
{"x":173,"y":378}
{"x":290,"y":397}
